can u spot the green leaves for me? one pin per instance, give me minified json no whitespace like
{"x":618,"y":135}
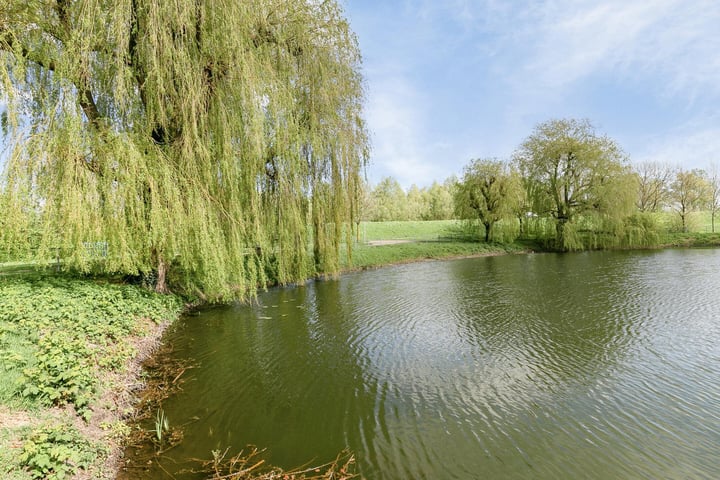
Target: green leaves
{"x":55,"y":452}
{"x":572,"y":171}
{"x":71,"y":330}
{"x":216,"y":138}
{"x":63,"y":372}
{"x":489,"y":191}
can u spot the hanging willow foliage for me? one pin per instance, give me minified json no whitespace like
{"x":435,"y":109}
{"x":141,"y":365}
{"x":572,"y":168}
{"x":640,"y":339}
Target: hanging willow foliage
{"x":214,"y":140}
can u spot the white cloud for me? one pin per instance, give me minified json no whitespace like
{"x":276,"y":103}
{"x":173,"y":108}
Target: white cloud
{"x":396,"y":115}
{"x":676,"y":40}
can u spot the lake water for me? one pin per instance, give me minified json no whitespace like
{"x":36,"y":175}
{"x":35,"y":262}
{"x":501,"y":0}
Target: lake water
{"x":594,"y":365}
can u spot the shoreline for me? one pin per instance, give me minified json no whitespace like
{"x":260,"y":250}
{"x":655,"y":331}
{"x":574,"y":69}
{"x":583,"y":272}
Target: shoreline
{"x":116,"y":463}
{"x":410,"y":261}
{"x":147,"y":346}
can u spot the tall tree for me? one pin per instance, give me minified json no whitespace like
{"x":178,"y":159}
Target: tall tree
{"x":653,"y":185}
{"x":389,"y":201}
{"x":439,"y":201}
{"x":713,"y":193}
{"x":214,"y":137}
{"x":488,"y":192}
{"x":570,"y":171}
{"x":415,"y":201}
{"x":689,"y":192}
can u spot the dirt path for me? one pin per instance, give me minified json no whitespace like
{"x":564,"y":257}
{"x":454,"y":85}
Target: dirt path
{"x":379,"y":243}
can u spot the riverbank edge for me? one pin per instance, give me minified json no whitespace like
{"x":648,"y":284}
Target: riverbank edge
{"x":676,"y":242}
{"x":125,"y":410}
{"x":670,"y":241}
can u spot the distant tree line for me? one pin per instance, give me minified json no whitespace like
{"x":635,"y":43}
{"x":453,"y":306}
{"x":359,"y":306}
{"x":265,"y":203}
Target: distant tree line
{"x":387,"y":201}
{"x":665,"y":187}
{"x":566,"y":184}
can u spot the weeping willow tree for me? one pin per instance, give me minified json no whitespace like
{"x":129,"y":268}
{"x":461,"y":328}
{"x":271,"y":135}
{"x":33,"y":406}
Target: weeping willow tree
{"x":206,"y":142}
{"x":578,"y":178}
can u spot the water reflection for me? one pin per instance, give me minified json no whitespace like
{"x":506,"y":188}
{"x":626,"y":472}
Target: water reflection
{"x":599,"y":365}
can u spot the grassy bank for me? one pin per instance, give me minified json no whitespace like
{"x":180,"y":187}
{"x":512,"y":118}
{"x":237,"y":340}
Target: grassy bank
{"x":690,"y":240}
{"x":377,"y":255}
{"x":386,"y":243}
{"x":68,"y":361}
{"x":389,"y":243}
{"x":412,"y":230}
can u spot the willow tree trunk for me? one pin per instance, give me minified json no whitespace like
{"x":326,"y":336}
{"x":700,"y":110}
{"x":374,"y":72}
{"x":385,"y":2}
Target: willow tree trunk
{"x":560,"y":232}
{"x":161,"y":285}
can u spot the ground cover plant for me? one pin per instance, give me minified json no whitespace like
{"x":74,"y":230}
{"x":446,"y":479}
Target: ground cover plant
{"x":59,"y":338}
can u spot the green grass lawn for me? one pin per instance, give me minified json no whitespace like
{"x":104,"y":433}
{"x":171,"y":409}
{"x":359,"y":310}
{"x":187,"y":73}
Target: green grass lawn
{"x":367,"y":256}
{"x":423,"y":240}
{"x":446,"y":239}
{"x":413,"y":230}
{"x":18,"y":268}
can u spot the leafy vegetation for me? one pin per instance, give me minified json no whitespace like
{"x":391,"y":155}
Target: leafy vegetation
{"x":55,"y":452}
{"x":571,"y":171}
{"x":194,"y":142}
{"x":689,"y":192}
{"x":56,"y":332}
{"x":60,"y":336}
{"x":490,"y":191}
{"x":388,"y":202}
{"x":580,"y":183}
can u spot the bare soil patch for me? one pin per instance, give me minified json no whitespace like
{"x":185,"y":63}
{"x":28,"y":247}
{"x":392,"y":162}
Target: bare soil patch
{"x":379,"y":243}
{"x":13,"y":420}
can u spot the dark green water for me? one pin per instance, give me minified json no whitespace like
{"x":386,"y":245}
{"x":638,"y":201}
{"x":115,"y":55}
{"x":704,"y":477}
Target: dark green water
{"x":593,"y":366}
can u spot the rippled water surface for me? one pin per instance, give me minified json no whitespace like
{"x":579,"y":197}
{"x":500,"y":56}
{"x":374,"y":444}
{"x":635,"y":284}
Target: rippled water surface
{"x":596,"y":366}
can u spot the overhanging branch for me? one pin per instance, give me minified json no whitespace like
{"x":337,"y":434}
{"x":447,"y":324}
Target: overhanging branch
{"x":86,"y":100}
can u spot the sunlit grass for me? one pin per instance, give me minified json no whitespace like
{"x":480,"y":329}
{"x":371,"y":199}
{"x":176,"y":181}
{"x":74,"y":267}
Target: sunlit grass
{"x":411,"y":230}
{"x":367,"y":256}
{"x":9,"y":450}
{"x":447,"y":239}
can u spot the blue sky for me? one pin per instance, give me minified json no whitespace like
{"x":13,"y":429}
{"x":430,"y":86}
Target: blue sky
{"x":452,"y":80}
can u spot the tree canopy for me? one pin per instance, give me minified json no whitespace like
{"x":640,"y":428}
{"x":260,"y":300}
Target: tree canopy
{"x":689,"y":192}
{"x":489,"y":192}
{"x":220,"y":142}
{"x":713,"y":194}
{"x":653,"y":180}
{"x":571,"y":170}
{"x":387,"y":201}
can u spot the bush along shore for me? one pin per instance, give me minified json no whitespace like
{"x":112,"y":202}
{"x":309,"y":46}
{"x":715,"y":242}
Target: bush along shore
{"x":71,"y":351}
